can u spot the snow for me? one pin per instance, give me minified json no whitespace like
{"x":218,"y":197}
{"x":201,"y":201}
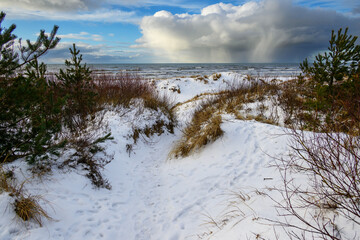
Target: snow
{"x":154,"y":197}
{"x":190,"y":87}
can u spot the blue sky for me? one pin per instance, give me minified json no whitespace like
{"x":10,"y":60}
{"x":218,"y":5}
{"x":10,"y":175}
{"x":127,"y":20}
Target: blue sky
{"x":141,"y":31}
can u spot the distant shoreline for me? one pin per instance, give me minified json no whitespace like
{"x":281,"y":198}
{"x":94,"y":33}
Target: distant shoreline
{"x":172,"y":70}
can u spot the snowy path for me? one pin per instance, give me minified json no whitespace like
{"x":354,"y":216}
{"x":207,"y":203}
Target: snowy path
{"x":153,"y":198}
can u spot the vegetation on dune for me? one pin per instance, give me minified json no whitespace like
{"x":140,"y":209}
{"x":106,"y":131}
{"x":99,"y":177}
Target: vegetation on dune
{"x":328,"y":94}
{"x":42,"y":115}
{"x":205,"y":125}
{"x":29,"y":108}
{"x":204,"y":128}
{"x":327,"y":100}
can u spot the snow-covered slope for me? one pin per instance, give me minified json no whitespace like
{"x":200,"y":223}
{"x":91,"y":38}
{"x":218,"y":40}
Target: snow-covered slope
{"x":154,"y":197}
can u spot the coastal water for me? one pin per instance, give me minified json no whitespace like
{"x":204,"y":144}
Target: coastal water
{"x":162,"y":71}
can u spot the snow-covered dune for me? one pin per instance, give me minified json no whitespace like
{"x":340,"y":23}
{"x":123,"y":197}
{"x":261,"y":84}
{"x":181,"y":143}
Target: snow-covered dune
{"x":154,"y":197}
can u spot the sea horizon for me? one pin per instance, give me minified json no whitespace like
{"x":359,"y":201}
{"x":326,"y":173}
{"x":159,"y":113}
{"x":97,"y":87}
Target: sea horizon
{"x":171,"y":70}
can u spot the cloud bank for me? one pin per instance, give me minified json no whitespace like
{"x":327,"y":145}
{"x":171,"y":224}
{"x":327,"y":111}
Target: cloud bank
{"x":100,"y":15}
{"x":266,"y":31}
{"x":82,"y":36}
{"x":50,"y":5}
{"x":83,"y":10}
{"x":75,"y":5}
{"x":99,"y":53}
{"x":67,"y":10}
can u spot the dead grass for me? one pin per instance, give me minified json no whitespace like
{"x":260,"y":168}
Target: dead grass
{"x":161,"y":107}
{"x":198,"y":97}
{"x":28,"y":208}
{"x":161,"y":103}
{"x":119,"y":89}
{"x":309,"y":107}
{"x":6,"y":180}
{"x":203,"y":79}
{"x":238,"y":94}
{"x":157,"y":128}
{"x":237,"y":208}
{"x":216,"y":76}
{"x":204,"y":128}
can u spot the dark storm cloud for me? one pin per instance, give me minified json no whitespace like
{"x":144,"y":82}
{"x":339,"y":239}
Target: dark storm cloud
{"x":267,"y":31}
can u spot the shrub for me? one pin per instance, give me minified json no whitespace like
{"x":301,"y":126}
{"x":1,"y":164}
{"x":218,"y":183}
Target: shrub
{"x":329,"y":92}
{"x":37,"y":114}
{"x":341,"y":64}
{"x":29,"y":110}
{"x":329,"y":159}
{"x":331,"y":163}
{"x":119,"y":89}
{"x":130,"y":90}
{"x":91,"y":156}
{"x":78,"y":89}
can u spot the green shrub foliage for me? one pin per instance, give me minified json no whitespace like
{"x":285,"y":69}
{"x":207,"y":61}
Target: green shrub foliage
{"x":78,"y":88}
{"x":331,"y":89}
{"x":341,"y":64}
{"x":29,"y":107}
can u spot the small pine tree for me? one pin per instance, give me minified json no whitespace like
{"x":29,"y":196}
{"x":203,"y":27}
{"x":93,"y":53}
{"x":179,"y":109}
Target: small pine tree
{"x":75,"y":73}
{"x":341,"y":63}
{"x":29,"y":112}
{"x":333,"y":85}
{"x":9,"y":59}
{"x":79,"y":90}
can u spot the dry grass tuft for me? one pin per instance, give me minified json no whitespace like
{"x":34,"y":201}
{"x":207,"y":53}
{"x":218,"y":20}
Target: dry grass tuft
{"x":28,"y":208}
{"x":216,"y":76}
{"x":6,"y":180}
{"x":161,"y":103}
{"x":198,"y":97}
{"x":204,"y":128}
{"x":202,"y":79}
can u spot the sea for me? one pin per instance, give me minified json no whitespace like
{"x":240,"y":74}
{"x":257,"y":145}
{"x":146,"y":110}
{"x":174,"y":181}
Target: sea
{"x":173,"y":70}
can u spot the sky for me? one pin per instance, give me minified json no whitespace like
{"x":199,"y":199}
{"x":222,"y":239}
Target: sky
{"x":184,"y":31}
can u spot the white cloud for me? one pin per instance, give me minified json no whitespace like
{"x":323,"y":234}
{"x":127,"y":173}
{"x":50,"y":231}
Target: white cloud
{"x":50,"y":5}
{"x":270,"y":30}
{"x":29,"y":7}
{"x":83,"y":10}
{"x":187,"y":4}
{"x":82,"y":36}
{"x":100,"y":15}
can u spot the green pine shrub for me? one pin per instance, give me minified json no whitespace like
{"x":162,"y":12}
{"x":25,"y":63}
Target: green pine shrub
{"x":78,"y":89}
{"x":327,"y":96}
{"x":29,"y":109}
